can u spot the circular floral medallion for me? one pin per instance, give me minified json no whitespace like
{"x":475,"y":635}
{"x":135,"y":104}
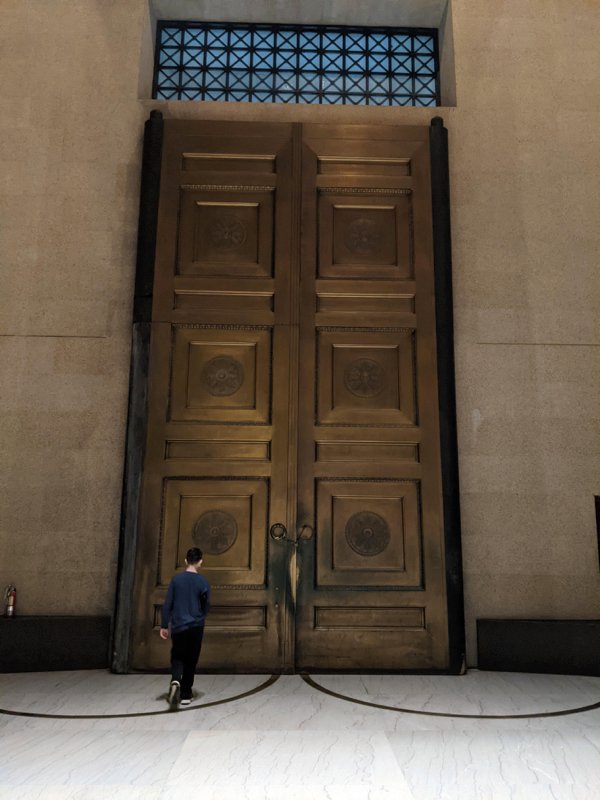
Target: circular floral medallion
{"x":215,"y":532}
{"x":222,"y":376}
{"x":364,"y":377}
{"x":228,"y":233}
{"x":367,"y":533}
{"x":363,"y":236}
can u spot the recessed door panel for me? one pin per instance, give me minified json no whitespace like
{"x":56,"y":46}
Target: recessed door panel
{"x":226,"y":519}
{"x":220,"y":375}
{"x":365,"y":236}
{"x":225,"y":232}
{"x":369,"y":534}
{"x":365,"y":376}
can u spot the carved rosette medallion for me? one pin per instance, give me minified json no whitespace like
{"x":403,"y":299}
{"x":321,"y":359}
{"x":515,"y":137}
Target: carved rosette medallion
{"x":363,"y":236}
{"x":215,"y":532}
{"x":222,"y":376}
{"x":367,"y":533}
{"x":364,"y":377}
{"x":228,"y":233}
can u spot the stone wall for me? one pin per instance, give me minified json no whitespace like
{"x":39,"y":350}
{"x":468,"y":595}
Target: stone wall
{"x":70,"y":142}
{"x":524,"y":167}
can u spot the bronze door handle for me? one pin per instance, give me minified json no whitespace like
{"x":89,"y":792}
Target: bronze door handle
{"x":305,"y":533}
{"x":278,"y":531}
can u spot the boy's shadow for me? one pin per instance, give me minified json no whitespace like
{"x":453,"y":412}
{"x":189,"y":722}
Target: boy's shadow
{"x":195,"y":695}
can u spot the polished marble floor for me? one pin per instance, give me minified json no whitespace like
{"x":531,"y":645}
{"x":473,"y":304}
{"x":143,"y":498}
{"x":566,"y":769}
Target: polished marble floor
{"x":482,"y":736}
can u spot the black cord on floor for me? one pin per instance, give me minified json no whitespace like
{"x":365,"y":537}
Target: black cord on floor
{"x":269,"y":682}
{"x":311,"y":682}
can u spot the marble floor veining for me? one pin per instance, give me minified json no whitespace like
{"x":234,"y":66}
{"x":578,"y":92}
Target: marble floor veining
{"x":482,"y":736}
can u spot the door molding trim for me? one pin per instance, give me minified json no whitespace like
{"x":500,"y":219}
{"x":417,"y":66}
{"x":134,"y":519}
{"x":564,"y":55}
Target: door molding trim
{"x":137,"y":411}
{"x":444,"y":314}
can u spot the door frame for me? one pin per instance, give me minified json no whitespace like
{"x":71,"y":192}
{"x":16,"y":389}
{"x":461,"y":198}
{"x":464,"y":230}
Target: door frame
{"x":138,"y":386}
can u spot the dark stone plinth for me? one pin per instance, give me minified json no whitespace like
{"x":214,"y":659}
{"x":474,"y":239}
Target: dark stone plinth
{"x":40,"y":644}
{"x":563,"y":647}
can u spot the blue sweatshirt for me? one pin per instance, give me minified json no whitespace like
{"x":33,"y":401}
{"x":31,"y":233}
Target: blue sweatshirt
{"x":187,"y":602}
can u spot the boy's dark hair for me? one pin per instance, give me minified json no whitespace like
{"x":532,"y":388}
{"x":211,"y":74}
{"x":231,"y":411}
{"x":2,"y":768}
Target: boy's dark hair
{"x":193,"y":555}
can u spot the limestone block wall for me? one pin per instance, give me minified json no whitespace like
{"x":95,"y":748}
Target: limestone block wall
{"x":524,"y":181}
{"x":525,"y":167}
{"x":70,"y":149}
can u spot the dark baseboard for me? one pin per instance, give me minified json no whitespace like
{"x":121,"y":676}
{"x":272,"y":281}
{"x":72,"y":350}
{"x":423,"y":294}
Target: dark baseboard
{"x":43,"y":644}
{"x":562,"y":647}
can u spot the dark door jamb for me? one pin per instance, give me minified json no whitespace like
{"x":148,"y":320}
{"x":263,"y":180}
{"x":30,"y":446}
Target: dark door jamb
{"x":442,"y":250}
{"x":137,"y":413}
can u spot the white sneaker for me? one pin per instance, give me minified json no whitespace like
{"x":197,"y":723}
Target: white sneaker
{"x":173,"y":696}
{"x":185,"y":702}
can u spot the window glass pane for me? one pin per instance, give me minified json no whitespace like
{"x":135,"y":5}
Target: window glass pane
{"x":309,"y":40}
{"x":378,"y":62}
{"x":170,"y":36}
{"x":308,"y":82}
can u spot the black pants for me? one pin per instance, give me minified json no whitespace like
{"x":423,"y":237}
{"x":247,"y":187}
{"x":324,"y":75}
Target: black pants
{"x":185,"y":653}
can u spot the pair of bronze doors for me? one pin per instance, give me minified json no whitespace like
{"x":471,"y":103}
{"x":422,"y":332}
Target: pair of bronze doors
{"x":293,"y":423}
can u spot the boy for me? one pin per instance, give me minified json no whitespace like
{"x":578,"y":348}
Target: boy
{"x":185,"y":608}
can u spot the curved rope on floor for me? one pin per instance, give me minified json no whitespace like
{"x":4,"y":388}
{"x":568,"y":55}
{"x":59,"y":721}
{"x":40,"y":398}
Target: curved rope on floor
{"x":265,"y":685}
{"x":311,"y":682}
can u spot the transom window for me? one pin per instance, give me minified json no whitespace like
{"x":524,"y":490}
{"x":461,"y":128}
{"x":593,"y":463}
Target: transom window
{"x":296,"y":64}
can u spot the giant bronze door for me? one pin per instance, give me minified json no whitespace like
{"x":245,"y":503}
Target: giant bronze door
{"x":293,"y":426}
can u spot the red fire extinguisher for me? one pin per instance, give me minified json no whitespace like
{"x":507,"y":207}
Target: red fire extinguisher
{"x":10,"y":600}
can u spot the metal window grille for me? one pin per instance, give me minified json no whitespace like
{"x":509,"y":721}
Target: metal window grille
{"x":296,"y":64}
